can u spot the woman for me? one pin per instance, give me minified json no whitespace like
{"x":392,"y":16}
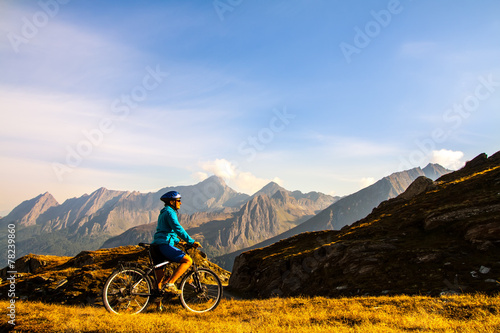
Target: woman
{"x":168,"y":232}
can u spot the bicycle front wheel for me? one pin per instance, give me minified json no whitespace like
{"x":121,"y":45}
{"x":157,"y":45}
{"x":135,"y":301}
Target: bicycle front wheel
{"x":201,"y":291}
{"x":127,"y":291}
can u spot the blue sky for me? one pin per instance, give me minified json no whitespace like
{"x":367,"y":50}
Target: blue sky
{"x":316,"y":95}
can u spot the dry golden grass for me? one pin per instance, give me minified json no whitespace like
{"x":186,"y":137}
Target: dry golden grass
{"x":477,"y":313}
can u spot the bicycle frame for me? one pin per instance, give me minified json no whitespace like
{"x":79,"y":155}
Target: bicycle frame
{"x":152,"y":268}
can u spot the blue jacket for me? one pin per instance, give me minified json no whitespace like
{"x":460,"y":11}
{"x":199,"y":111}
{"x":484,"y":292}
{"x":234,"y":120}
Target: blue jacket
{"x":169,"y":229}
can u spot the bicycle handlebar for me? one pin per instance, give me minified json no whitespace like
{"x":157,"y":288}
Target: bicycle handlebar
{"x":190,"y":247}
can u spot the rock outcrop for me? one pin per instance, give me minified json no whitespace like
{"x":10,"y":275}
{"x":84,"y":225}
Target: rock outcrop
{"x":437,"y":237}
{"x":77,"y":280}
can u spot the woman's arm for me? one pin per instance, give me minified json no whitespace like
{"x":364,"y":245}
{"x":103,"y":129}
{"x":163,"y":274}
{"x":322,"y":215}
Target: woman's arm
{"x":179,"y":230}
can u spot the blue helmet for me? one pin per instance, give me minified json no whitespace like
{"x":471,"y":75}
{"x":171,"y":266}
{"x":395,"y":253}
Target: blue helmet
{"x":170,"y":196}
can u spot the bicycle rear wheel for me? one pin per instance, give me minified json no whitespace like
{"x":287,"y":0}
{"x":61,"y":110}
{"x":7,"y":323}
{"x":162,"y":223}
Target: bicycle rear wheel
{"x":127,"y":291}
{"x":201,"y":292}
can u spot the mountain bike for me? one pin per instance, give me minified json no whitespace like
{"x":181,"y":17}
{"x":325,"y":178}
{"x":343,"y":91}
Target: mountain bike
{"x":129,"y":289}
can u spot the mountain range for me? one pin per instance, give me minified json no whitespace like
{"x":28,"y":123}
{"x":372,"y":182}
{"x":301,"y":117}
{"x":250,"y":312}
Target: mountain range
{"x":44,"y":226}
{"x":273,"y":213}
{"x":224,"y":220}
{"x":267,"y":213}
{"x":350,"y":208}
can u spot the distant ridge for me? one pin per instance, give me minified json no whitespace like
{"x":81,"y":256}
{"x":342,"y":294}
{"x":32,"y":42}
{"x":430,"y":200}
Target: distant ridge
{"x":267,"y":213}
{"x":434,"y":171}
{"x":29,"y":211}
{"x":269,"y":189}
{"x":46,"y":227}
{"x":350,"y":208}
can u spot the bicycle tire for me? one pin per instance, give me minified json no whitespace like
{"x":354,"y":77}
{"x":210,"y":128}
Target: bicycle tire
{"x":127,"y":291}
{"x":203,"y":296}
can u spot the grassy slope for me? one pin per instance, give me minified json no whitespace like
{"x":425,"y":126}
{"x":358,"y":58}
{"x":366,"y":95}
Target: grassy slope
{"x":476,"y":313}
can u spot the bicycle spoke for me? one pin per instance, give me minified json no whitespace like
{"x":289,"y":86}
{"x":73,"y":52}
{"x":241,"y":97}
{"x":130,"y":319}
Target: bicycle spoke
{"x":127,"y":291}
{"x":202,"y":293}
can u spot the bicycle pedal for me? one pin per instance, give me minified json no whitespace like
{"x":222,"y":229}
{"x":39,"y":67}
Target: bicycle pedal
{"x":159,"y":306}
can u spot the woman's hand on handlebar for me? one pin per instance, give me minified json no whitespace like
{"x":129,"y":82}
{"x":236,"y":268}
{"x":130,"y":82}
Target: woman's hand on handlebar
{"x":196,"y":245}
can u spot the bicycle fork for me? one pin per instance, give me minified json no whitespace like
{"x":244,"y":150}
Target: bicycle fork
{"x":196,"y":283}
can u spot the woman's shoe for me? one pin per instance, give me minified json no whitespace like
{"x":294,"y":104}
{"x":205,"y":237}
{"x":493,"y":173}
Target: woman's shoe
{"x":171,"y":288}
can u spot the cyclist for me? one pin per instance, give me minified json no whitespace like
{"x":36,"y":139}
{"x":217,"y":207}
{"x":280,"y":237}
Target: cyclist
{"x":168,"y":232}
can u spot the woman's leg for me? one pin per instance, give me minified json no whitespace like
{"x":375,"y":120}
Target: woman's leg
{"x":160,"y":273}
{"x":185,"y":263}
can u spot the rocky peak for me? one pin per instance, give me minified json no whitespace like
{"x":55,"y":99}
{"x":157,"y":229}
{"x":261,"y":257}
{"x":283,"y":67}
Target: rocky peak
{"x":99,"y":198}
{"x":256,"y":206}
{"x":211,"y":195}
{"x":434,"y":171}
{"x":27,"y":213}
{"x":215,"y":180}
{"x":281,"y":197}
{"x":270,"y":189}
{"x":257,"y":220}
{"x":420,"y":185}
{"x":477,"y":164}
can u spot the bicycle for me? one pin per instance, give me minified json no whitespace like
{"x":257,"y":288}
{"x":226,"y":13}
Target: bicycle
{"x":129,"y":289}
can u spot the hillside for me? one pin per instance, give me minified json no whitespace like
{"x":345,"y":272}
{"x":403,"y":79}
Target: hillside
{"x":438,"y":237}
{"x":350,"y":208}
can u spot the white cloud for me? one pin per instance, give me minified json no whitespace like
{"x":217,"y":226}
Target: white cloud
{"x":366,"y":181}
{"x":199,"y":176}
{"x":448,"y":158}
{"x":239,"y":180}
